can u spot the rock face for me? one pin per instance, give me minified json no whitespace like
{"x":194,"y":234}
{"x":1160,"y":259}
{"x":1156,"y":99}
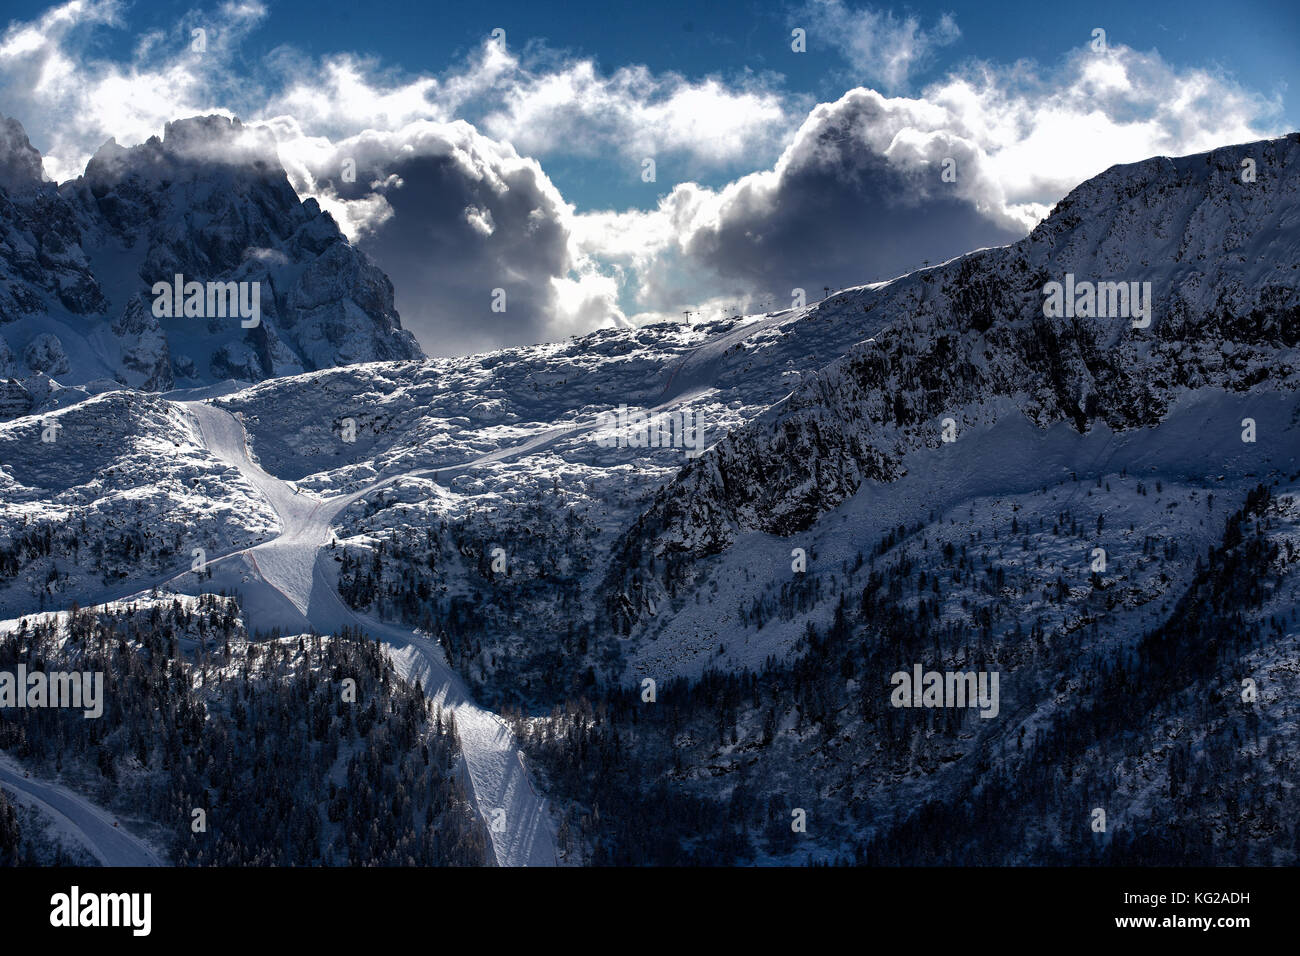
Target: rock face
{"x":15,"y":400}
{"x":20,"y":163}
{"x":208,"y":201}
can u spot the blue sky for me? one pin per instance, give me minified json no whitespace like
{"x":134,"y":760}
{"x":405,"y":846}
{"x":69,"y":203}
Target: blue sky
{"x":773,"y":169}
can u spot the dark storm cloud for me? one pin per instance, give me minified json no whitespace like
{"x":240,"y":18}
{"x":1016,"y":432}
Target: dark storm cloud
{"x":858,"y":197}
{"x":465,"y":217}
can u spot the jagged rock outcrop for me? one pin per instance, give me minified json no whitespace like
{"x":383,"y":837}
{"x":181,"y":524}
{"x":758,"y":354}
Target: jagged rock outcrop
{"x":208,"y":201}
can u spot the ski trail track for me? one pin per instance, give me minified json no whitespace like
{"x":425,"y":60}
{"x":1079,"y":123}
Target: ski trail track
{"x":89,"y":824}
{"x":291,"y":590}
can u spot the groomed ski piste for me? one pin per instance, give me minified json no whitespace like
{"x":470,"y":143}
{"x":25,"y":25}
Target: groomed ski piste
{"x":77,"y":818}
{"x":283,"y":585}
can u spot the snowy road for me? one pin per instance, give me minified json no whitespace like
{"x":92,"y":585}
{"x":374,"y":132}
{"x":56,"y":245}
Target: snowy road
{"x":284,"y":585}
{"x":76,"y":816}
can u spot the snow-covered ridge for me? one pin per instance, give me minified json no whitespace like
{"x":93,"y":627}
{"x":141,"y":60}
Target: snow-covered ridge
{"x":1222,"y":255}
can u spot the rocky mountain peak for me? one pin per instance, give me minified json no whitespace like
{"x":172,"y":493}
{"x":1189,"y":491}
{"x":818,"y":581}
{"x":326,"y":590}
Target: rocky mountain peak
{"x":209,"y":201}
{"x":20,"y":162}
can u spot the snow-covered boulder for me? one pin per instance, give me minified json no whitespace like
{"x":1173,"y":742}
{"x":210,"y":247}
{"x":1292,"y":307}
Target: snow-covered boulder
{"x":45,"y":353}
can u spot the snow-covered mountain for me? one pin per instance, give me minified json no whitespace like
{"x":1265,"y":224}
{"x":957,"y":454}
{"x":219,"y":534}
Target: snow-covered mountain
{"x":915,"y":472}
{"x":968,"y":340}
{"x":210,"y":202}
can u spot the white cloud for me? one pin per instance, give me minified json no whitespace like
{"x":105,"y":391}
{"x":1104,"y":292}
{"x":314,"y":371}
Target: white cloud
{"x":636,"y":114}
{"x":480,"y":220}
{"x":586,"y":300}
{"x":1043,"y":137}
{"x":346,"y":95}
{"x":71,"y":102}
{"x":879,"y":46}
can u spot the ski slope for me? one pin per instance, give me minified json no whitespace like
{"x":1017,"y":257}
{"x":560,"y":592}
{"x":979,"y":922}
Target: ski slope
{"x":76,"y":816}
{"x":284,"y":584}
